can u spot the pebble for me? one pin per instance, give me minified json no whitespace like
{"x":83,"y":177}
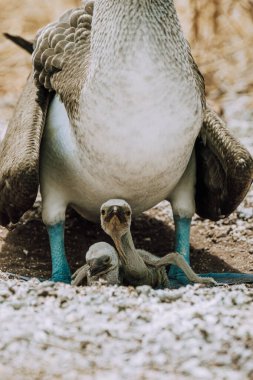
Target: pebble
{"x":58,"y":331}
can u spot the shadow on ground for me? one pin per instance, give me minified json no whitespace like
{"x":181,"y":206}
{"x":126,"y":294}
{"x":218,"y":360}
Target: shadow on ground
{"x":25,"y":248}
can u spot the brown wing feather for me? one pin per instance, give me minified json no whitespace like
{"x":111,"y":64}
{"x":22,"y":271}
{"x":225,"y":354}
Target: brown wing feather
{"x":224,"y":169}
{"x":61,"y":53}
{"x":19,"y":153}
{"x":224,"y":166}
{"x":199,"y":79}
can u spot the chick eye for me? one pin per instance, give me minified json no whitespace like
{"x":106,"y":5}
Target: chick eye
{"x":103,"y":212}
{"x":128,"y":213}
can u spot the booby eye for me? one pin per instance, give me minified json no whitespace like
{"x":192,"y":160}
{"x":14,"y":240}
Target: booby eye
{"x":128,"y":213}
{"x":103,"y":212}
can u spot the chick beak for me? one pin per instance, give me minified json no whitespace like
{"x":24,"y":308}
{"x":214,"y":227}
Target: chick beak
{"x":99,"y":265}
{"x":115,"y":215}
{"x":116,"y":218}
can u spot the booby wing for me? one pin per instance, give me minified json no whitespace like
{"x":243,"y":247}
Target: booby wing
{"x":59,"y":66}
{"x":61,"y":54}
{"x":19,"y":153}
{"x":224,"y":169}
{"x":224,"y":166}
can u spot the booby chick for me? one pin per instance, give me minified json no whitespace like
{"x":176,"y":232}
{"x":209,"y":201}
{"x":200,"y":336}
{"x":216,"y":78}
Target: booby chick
{"x":102,"y":263}
{"x":140,"y":267}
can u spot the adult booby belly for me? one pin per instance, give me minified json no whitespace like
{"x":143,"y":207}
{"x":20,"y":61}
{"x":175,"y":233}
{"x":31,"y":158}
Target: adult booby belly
{"x":120,"y":149}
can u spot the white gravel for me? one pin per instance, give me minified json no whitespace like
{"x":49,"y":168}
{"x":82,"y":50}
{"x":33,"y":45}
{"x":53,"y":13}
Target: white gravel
{"x":55,"y":331}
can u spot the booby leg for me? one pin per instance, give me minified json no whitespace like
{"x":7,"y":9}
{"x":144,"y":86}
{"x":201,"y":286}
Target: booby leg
{"x":56,"y":156}
{"x":182,"y":246}
{"x":183,"y":206}
{"x":60,"y":268}
{"x":53,"y":215}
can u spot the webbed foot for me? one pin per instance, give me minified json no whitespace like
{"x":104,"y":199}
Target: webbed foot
{"x":229,"y":278}
{"x":212,"y":279}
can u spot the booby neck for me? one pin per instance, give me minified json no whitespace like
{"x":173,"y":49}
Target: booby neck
{"x":138,"y":51}
{"x":134,"y":267}
{"x":121,"y":28}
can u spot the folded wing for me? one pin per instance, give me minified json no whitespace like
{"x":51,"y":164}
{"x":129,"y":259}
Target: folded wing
{"x":224,"y":169}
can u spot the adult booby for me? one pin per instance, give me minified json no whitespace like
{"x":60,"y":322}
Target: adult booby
{"x":113,"y":109}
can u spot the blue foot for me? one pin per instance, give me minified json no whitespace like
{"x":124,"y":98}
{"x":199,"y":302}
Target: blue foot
{"x":230,"y":278}
{"x":60,"y":268}
{"x":176,"y":276}
{"x":220,"y":278}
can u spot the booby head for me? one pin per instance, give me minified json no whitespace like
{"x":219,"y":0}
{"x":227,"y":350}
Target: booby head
{"x":101,"y":258}
{"x":116,"y":215}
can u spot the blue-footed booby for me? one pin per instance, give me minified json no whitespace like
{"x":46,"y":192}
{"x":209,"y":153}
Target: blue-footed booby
{"x":115,"y":108}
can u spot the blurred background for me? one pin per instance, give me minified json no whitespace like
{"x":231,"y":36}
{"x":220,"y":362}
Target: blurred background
{"x":220,"y":33}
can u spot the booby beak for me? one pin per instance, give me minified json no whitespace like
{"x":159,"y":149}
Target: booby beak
{"x":116,"y":215}
{"x":99,"y":265}
{"x":117,"y":221}
{"x":116,"y":224}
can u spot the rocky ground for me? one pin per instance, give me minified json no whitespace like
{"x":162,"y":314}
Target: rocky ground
{"x":62,"y":332}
